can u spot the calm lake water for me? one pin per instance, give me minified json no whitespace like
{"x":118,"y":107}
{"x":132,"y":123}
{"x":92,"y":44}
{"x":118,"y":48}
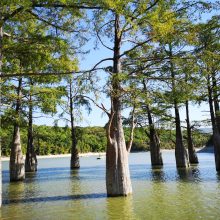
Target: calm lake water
{"x":55,"y":192}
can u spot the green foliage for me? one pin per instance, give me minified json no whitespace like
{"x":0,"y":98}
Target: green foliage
{"x":57,"y":140}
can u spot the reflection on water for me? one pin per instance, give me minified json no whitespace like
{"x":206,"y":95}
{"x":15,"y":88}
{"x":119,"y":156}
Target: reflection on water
{"x":121,"y":208}
{"x":158,"y":175}
{"x":56,"y":192}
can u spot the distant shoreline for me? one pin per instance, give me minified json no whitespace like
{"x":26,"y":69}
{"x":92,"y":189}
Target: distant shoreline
{"x":63,"y":155}
{"x":96,"y":154}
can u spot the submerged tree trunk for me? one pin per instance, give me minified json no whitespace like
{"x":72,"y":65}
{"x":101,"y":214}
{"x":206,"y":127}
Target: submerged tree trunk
{"x":155,"y":153}
{"x":31,"y":158}
{"x":216,"y":133}
{"x":156,"y":157}
{"x":118,"y":182}
{"x":1,"y":39}
{"x":193,"y":159}
{"x":180,"y":151}
{"x":216,"y":141}
{"x":17,"y":169}
{"x":74,"y":162}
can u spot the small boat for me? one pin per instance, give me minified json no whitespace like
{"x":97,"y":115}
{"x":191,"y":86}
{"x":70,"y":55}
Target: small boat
{"x":99,"y":157}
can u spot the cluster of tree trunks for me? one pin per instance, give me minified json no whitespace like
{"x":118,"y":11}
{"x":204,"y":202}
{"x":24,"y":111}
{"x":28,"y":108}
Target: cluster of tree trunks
{"x":118,"y":181}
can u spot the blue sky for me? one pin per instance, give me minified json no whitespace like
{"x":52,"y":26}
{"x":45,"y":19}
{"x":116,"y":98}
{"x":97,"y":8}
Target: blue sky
{"x":96,"y":117}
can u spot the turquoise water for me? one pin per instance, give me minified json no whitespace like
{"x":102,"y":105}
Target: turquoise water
{"x":55,"y":192}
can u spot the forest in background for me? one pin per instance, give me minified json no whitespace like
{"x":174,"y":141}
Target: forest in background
{"x":57,"y":140}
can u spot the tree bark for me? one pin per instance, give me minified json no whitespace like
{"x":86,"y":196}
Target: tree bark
{"x":74,"y":162}
{"x":193,"y":159}
{"x":216,"y":101}
{"x":17,"y":169}
{"x":118,"y":182}
{"x":1,"y":44}
{"x":31,"y":158}
{"x":212,"y":113}
{"x":133,"y":125}
{"x":155,"y":153}
{"x":180,"y":151}
{"x":216,"y":133}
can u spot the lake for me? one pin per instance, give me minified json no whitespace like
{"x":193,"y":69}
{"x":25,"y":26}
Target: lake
{"x":55,"y":192}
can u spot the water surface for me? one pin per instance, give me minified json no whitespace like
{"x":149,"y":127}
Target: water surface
{"x":55,"y":192}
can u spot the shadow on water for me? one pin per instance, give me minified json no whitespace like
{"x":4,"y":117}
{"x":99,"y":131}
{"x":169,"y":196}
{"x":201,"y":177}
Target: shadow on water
{"x":161,"y":174}
{"x":218,"y":176}
{"x":158,"y":174}
{"x":56,"y":198}
{"x":60,"y":174}
{"x":191,"y":174}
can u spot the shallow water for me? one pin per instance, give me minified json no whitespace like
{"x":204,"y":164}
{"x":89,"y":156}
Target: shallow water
{"x":55,"y":192}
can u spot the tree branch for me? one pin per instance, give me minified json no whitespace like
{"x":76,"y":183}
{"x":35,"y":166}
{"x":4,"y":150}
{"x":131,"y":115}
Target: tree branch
{"x":136,"y":46}
{"x":133,"y":125}
{"x":97,"y":33}
{"x":49,"y":23}
{"x":102,"y":107}
{"x":16,"y":11}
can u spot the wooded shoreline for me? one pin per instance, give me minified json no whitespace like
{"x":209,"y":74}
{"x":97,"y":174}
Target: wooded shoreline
{"x":101,"y":154}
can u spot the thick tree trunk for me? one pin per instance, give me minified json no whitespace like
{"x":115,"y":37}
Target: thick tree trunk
{"x":156,"y":157}
{"x":180,"y":151}
{"x":74,"y":162}
{"x":155,"y":153}
{"x":31,"y":158}
{"x":193,"y":159}
{"x":118,"y":182}
{"x":17,"y":169}
{"x":1,"y":39}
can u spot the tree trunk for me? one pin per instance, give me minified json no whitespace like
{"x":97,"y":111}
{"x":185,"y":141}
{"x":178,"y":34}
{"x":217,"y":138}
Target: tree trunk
{"x":17,"y":169}
{"x":156,"y":157}
{"x":155,"y":153}
{"x":212,"y":114}
{"x":216,"y":133}
{"x":74,"y":162}
{"x":118,"y":182}
{"x":180,"y":151}
{"x":216,"y":101}
{"x":31,"y":158}
{"x":193,"y":159}
{"x":216,"y":141}
{"x":1,"y":39}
